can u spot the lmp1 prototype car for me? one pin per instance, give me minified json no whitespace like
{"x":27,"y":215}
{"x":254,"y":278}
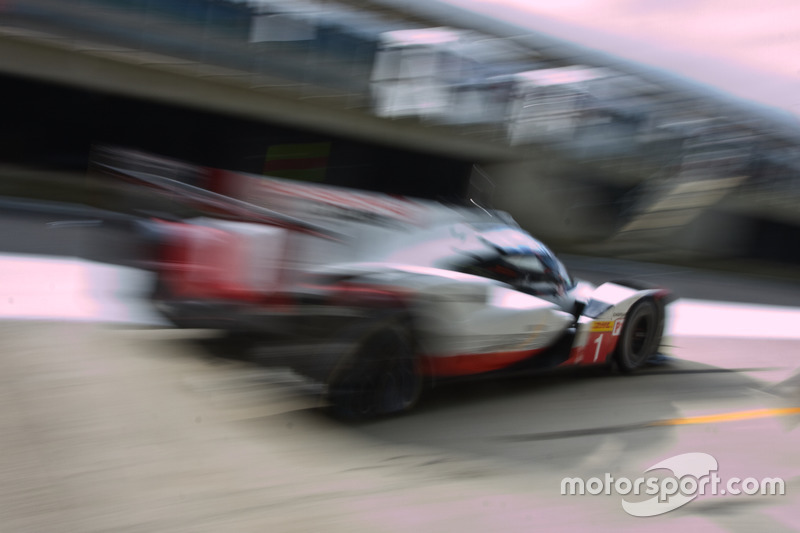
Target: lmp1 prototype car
{"x":376,"y":296}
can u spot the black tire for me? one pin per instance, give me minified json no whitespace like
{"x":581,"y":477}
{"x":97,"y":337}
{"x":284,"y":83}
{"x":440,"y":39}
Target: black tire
{"x":379,"y":376}
{"x":640,"y":337}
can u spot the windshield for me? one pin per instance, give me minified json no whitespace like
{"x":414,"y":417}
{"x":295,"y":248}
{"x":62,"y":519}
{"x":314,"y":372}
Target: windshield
{"x":514,"y":257}
{"x":526,"y":254}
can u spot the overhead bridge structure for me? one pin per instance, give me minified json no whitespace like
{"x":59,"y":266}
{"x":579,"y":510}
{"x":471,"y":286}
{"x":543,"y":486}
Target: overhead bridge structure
{"x":578,"y":147}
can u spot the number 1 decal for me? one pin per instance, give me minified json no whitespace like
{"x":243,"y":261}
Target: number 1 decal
{"x":599,"y":342}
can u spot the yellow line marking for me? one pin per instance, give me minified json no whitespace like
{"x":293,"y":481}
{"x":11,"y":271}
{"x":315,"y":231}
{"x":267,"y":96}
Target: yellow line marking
{"x":728,"y":417}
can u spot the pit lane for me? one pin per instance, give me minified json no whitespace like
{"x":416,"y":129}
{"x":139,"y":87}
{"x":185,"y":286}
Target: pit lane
{"x":116,"y":427}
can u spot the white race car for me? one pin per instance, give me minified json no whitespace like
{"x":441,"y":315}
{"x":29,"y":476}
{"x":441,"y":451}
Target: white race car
{"x":377,"y":296}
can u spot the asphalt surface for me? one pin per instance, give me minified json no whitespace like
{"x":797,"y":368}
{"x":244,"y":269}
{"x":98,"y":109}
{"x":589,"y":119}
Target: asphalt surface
{"x":111,"y":428}
{"x":146,"y":430}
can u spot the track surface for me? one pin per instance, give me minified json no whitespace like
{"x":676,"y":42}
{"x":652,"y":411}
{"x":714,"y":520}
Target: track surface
{"x":147,"y":429}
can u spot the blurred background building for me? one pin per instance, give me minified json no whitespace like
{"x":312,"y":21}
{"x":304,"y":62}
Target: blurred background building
{"x":590,"y":153}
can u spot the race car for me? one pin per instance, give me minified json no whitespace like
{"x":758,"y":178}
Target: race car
{"x":376,"y":296}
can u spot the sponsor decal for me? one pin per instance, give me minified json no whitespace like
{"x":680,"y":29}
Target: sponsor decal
{"x":617,"y":327}
{"x":602,"y":325}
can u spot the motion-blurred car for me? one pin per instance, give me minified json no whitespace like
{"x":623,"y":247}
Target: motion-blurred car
{"x":376,"y":296}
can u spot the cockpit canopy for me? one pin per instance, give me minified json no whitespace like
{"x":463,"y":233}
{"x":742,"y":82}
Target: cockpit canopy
{"x":515,"y":257}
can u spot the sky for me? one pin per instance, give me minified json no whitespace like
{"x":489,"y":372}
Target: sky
{"x":747,"y":48}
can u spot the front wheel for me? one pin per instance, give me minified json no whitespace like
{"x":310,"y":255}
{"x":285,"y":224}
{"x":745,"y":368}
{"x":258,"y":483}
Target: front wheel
{"x":640,"y":337}
{"x":379,"y":376}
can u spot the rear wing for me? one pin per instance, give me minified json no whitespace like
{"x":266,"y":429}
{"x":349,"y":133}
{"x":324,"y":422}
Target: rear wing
{"x":321,"y":209}
{"x":214,"y":203}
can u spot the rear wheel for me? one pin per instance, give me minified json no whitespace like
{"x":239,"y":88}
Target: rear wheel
{"x":379,"y":375}
{"x":640,"y":337}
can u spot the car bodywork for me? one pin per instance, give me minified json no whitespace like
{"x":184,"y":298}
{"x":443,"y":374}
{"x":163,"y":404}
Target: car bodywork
{"x":374,"y":296}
